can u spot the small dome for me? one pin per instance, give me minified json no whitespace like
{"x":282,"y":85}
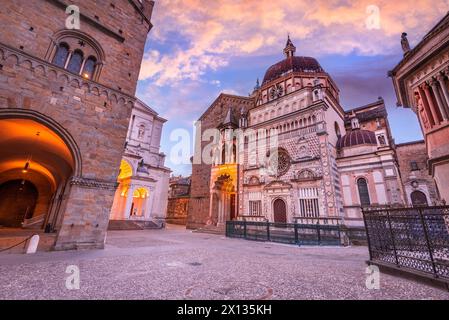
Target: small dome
{"x":292,"y":64}
{"x":357,"y":137}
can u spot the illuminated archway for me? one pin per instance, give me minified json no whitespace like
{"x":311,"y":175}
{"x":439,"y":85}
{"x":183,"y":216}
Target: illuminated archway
{"x":126,"y":170}
{"x":35,"y":149}
{"x":140,"y":197}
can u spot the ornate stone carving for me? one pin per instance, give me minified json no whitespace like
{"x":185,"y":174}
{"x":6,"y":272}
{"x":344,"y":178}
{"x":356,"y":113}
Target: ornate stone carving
{"x":422,"y":111}
{"x":94,"y":184}
{"x":404,"y":43}
{"x":279,"y":162}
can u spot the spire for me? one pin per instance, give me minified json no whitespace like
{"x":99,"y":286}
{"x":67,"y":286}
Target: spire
{"x":290,"y":48}
{"x":229,"y":118}
{"x":257,"y":87}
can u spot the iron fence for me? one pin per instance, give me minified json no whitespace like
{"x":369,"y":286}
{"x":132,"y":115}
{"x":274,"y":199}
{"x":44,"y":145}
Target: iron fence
{"x":411,"y":239}
{"x":289,"y":233}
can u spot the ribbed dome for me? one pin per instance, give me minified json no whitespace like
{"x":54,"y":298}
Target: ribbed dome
{"x":292,"y":64}
{"x":357,"y":137}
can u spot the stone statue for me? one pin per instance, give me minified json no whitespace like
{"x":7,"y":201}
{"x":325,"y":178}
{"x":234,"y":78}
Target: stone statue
{"x":141,"y":132}
{"x":422,"y":111}
{"x":405,"y":44}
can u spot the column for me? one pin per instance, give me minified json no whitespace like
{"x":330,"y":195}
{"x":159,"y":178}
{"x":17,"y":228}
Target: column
{"x":149,"y":210}
{"x":82,"y":67}
{"x":69,"y":56}
{"x":211,"y":208}
{"x":425,"y":103}
{"x":434,"y":84}
{"x":129,"y":201}
{"x":431,"y":104}
{"x":115,"y":205}
{"x":444,"y":89}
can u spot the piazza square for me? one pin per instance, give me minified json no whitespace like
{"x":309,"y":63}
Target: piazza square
{"x":224,"y":151}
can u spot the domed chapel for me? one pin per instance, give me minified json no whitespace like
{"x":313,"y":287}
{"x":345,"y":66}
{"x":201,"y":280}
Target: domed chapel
{"x":329,"y":161}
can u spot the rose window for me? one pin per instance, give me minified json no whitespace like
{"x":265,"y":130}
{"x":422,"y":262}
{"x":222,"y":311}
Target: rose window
{"x":280,"y":162}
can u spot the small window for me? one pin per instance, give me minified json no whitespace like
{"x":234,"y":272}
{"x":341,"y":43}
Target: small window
{"x":355,"y":123}
{"x":309,"y":202}
{"x":75,"y":62}
{"x":337,"y":129}
{"x":255,"y":208}
{"x":363,"y":192}
{"x":89,"y":68}
{"x":60,"y":57}
{"x":382,"y":140}
{"x":414,"y":166}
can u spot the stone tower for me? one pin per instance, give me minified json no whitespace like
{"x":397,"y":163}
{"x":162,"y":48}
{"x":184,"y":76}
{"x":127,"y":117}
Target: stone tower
{"x":68,"y":75}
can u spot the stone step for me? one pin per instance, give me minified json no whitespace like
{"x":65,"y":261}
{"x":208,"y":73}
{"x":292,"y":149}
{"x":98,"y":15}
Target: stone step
{"x":218,"y":230}
{"x":124,"y":225}
{"x":132,"y":225}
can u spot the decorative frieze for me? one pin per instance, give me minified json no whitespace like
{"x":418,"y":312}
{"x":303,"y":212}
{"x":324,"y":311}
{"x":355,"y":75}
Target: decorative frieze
{"x":42,"y":68}
{"x":94,"y":184}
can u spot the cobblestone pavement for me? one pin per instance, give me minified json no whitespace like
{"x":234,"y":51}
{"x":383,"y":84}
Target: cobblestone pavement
{"x":178,"y":264}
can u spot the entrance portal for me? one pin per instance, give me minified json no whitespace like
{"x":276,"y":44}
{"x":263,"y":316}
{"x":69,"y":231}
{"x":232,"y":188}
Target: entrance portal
{"x":35,"y":167}
{"x":233,"y":207}
{"x":280,"y":211}
{"x":18,"y":200}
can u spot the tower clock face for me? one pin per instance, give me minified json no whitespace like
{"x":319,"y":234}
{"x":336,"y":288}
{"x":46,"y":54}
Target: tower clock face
{"x":276,"y":92}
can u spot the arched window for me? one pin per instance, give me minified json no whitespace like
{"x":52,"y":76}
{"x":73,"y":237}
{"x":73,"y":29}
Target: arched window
{"x":337,"y":129}
{"x":418,"y":198}
{"x":355,"y":123}
{"x":363,"y":192}
{"x":89,"y":67}
{"x":61,"y":55}
{"x":77,"y":52}
{"x":76,"y":62}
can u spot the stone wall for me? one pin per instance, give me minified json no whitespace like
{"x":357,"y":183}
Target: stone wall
{"x":416,"y":180}
{"x":201,"y":172}
{"x":177,"y":210}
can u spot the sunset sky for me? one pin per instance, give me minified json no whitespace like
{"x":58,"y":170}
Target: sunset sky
{"x":199,"y":48}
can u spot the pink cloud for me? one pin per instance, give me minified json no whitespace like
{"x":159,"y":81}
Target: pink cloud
{"x":218,"y":30}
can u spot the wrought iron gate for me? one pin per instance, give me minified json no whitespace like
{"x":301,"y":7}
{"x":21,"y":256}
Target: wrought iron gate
{"x":411,"y":239}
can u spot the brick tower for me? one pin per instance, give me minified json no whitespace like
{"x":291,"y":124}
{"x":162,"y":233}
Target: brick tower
{"x":68,"y":75}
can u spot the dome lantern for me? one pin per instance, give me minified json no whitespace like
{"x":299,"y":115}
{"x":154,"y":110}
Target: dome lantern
{"x":290,"y":48}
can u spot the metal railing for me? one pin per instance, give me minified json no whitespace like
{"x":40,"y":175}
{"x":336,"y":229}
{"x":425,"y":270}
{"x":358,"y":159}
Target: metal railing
{"x":411,"y":239}
{"x":318,"y":220}
{"x":289,"y":233}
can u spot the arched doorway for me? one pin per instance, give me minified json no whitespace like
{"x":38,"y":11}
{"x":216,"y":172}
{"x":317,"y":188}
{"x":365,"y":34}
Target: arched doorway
{"x":18,"y":199}
{"x":223,"y":200}
{"x":280,"y":211}
{"x":121,"y":207}
{"x":418,"y":198}
{"x":32,"y":149}
{"x":140,"y":198}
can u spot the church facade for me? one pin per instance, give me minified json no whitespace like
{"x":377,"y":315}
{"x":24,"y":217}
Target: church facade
{"x":302,"y":156}
{"x":143,"y":179}
{"x":421,"y":82}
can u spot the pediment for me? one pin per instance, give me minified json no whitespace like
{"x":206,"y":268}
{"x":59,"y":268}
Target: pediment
{"x":278,"y":185}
